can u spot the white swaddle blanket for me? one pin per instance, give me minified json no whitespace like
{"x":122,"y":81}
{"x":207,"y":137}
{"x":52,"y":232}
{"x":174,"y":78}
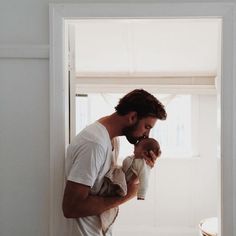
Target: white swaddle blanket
{"x":114,"y":179}
{"x":114,"y":185}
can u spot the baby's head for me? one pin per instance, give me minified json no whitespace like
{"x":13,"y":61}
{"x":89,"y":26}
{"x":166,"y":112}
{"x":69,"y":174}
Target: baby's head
{"x":145,"y":146}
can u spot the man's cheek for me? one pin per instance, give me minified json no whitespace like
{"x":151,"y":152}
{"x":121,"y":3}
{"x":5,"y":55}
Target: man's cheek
{"x":136,"y":134}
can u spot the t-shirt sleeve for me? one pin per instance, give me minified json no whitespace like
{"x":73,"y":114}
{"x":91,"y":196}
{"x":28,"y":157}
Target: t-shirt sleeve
{"x":88,"y":161}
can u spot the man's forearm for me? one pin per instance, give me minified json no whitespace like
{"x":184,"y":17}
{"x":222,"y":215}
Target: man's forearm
{"x":77,"y":201}
{"x":95,"y":205}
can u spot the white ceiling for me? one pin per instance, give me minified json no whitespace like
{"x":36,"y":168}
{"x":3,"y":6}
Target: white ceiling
{"x":155,"y":46}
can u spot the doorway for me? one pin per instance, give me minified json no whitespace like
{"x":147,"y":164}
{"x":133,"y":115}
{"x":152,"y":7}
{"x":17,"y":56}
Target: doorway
{"x":140,"y":10}
{"x":178,"y":60}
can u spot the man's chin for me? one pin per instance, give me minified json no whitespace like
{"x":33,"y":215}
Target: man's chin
{"x":132,"y":140}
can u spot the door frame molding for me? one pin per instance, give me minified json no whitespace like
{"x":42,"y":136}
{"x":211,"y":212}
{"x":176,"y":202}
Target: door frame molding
{"x":60,"y":13}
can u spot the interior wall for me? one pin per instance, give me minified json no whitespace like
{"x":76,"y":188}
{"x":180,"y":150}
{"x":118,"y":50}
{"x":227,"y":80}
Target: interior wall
{"x":24,"y":114}
{"x":24,"y":147}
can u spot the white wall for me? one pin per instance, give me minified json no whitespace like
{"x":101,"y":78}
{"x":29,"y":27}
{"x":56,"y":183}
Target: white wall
{"x":24,"y":117}
{"x":24,"y":120}
{"x":24,"y":147}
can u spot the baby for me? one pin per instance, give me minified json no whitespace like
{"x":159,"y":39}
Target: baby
{"x":115,"y":182}
{"x":135,"y":166}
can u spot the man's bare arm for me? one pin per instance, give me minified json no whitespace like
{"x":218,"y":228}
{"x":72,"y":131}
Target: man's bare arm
{"x":77,"y":202}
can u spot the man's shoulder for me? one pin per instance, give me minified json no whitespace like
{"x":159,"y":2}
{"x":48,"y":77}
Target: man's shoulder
{"x":94,"y":133}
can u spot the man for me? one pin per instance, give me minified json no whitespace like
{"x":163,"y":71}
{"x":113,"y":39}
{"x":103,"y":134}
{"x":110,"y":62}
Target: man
{"x":89,"y":158}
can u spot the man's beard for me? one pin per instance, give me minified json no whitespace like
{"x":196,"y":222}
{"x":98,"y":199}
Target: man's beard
{"x":128,"y":133}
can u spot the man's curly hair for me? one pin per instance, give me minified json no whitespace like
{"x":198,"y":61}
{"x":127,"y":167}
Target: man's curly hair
{"x":142,"y":102}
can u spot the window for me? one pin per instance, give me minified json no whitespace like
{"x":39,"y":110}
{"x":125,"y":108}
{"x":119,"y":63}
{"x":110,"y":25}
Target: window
{"x":177,"y":135}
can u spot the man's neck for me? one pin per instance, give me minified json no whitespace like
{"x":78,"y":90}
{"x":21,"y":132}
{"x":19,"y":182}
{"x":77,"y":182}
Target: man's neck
{"x":113,"y":124}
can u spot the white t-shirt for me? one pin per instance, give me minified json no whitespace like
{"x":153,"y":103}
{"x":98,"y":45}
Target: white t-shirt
{"x":89,"y":157}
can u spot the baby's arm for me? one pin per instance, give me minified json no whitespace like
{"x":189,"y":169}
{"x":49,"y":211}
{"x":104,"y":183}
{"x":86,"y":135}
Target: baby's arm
{"x":143,"y":177}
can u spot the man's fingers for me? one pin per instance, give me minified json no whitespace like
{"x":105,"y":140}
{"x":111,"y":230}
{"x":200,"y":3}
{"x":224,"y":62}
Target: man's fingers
{"x":153,"y":156}
{"x":150,"y":163}
{"x":151,"y":159}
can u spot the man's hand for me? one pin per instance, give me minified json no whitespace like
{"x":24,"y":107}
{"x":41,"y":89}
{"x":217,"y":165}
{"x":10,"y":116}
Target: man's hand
{"x":150,"y":159}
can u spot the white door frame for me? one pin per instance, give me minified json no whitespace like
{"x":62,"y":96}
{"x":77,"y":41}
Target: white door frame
{"x":58,"y":226}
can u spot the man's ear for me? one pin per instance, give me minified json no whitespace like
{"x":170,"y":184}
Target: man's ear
{"x":132,"y":117}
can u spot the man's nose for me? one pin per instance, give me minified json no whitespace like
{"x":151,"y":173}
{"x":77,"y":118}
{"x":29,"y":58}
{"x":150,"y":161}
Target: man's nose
{"x":146,"y":134}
